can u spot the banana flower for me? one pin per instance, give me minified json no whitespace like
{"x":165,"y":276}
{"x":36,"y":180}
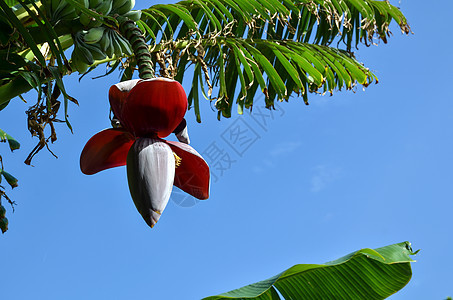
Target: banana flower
{"x":148,"y":111}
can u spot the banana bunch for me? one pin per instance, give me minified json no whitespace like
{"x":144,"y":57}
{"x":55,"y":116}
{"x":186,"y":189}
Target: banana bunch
{"x":134,"y":15}
{"x":84,"y":54}
{"x":96,"y":44}
{"x":99,"y":42}
{"x":107,"y":7}
{"x":99,"y":6}
{"x":93,"y":35}
{"x":122,"y":7}
{"x":113,"y":43}
{"x":57,"y":10}
{"x":85,"y":3}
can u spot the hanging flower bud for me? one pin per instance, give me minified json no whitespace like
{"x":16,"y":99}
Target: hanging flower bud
{"x":150,"y":174}
{"x":145,"y":111}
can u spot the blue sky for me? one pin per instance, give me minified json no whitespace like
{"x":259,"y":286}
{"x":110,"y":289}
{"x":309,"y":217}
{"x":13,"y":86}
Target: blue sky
{"x":355,"y":170}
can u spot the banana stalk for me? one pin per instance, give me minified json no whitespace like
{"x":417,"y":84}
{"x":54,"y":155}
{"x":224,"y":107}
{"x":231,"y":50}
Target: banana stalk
{"x":136,"y":39}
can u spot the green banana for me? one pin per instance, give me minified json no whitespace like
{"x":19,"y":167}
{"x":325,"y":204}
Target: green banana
{"x":95,"y":3}
{"x":59,"y":10}
{"x":61,"y":6}
{"x":117,"y":50}
{"x":85,"y":4}
{"x":87,"y":52}
{"x":105,"y":40}
{"x":93,"y":35}
{"x":134,"y":15}
{"x":117,"y":4}
{"x":91,"y":22}
{"x":80,"y":49}
{"x":69,"y":14}
{"x":85,"y":19}
{"x":84,"y":54}
{"x":105,"y":7}
{"x":65,"y":12}
{"x":77,"y":63}
{"x":108,"y":44}
{"x":126,"y":7}
{"x":125,"y":46}
{"x":110,"y":51}
{"x":96,"y":53}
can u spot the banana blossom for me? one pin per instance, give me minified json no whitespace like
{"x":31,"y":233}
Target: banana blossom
{"x":148,"y":111}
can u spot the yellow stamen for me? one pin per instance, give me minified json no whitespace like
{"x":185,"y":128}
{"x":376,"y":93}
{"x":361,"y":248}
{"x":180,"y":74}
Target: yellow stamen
{"x":177,"y":160}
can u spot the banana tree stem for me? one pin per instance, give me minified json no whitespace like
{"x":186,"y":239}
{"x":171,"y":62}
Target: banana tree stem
{"x":137,"y":40}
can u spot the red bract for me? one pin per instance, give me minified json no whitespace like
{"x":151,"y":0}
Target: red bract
{"x":150,"y":106}
{"x":147,"y":110}
{"x":106,"y":149}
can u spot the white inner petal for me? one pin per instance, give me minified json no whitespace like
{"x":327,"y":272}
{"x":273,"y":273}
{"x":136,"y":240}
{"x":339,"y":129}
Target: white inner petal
{"x":126,"y":86}
{"x":150,"y":172}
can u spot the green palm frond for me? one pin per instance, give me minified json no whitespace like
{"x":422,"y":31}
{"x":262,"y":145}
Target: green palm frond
{"x":279,"y":46}
{"x":277,"y":68}
{"x":319,"y":21}
{"x":237,"y":48}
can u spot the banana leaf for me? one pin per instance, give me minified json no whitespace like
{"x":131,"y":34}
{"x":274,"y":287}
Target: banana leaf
{"x":289,"y":45}
{"x":364,"y":274}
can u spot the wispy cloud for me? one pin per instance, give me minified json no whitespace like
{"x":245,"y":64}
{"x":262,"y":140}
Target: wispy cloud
{"x":323,"y":176}
{"x":266,"y":164}
{"x":285,"y":148}
{"x":280,"y":149}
